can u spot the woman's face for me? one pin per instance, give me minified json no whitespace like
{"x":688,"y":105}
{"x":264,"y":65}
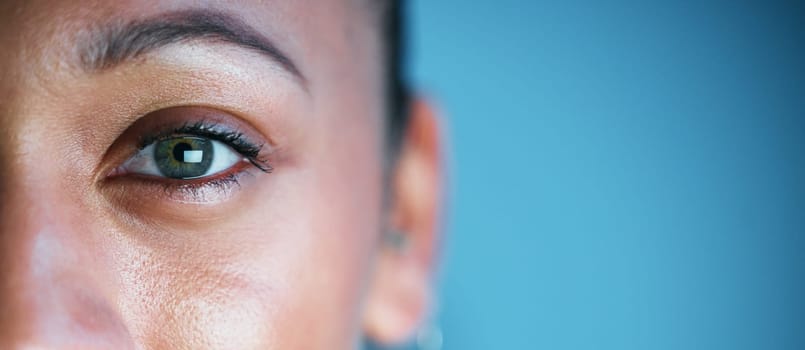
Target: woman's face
{"x":193,"y":175}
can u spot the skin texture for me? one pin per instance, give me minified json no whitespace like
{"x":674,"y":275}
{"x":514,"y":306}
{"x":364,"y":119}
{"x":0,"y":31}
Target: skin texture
{"x":292,"y":259}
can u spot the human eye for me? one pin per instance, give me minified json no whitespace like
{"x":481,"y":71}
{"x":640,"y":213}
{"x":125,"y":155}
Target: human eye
{"x":187,"y":157}
{"x":193,"y":152}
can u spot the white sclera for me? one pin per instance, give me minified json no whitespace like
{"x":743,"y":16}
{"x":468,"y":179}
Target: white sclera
{"x":193,"y":156}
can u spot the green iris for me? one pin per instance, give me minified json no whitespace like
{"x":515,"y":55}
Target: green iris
{"x":183,"y":157}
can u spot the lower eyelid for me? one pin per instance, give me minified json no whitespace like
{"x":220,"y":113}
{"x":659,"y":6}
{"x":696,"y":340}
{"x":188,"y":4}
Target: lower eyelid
{"x":152,"y":192}
{"x":205,"y":191}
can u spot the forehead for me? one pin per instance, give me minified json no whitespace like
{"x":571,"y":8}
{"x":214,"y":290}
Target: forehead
{"x":48,"y":34}
{"x":39,"y":16}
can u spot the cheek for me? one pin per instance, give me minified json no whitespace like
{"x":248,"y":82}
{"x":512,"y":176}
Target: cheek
{"x":296,"y":254}
{"x":331,"y":218}
{"x":198,"y":303}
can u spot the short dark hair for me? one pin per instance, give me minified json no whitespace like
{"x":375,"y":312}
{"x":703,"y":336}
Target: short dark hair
{"x":397,"y":94}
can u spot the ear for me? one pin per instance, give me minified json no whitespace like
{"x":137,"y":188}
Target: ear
{"x":401,"y":293}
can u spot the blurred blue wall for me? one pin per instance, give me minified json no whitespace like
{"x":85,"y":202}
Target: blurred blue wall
{"x":625,"y":174}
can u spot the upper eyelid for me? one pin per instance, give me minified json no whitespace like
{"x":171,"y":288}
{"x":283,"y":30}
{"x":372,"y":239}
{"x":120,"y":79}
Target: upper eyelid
{"x":201,"y":128}
{"x":216,"y":131}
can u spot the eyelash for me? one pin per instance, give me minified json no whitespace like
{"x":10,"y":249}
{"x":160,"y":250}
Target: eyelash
{"x":214,"y":131}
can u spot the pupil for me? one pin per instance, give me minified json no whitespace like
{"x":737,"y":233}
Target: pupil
{"x":178,"y":150}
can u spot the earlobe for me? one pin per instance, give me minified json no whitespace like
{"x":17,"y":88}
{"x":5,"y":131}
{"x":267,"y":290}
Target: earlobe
{"x":401,"y":293}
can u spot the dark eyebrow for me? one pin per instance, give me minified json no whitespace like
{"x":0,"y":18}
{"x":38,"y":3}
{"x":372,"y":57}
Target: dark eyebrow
{"x":114,"y":44}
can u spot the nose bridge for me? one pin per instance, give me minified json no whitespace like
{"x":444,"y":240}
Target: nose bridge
{"x":30,"y":229}
{"x":50,"y":294}
{"x":34,"y":215}
{"x":37,"y":210}
{"x":36,"y":238}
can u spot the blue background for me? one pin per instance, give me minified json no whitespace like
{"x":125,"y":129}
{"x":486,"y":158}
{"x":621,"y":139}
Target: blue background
{"x":625,"y":174}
